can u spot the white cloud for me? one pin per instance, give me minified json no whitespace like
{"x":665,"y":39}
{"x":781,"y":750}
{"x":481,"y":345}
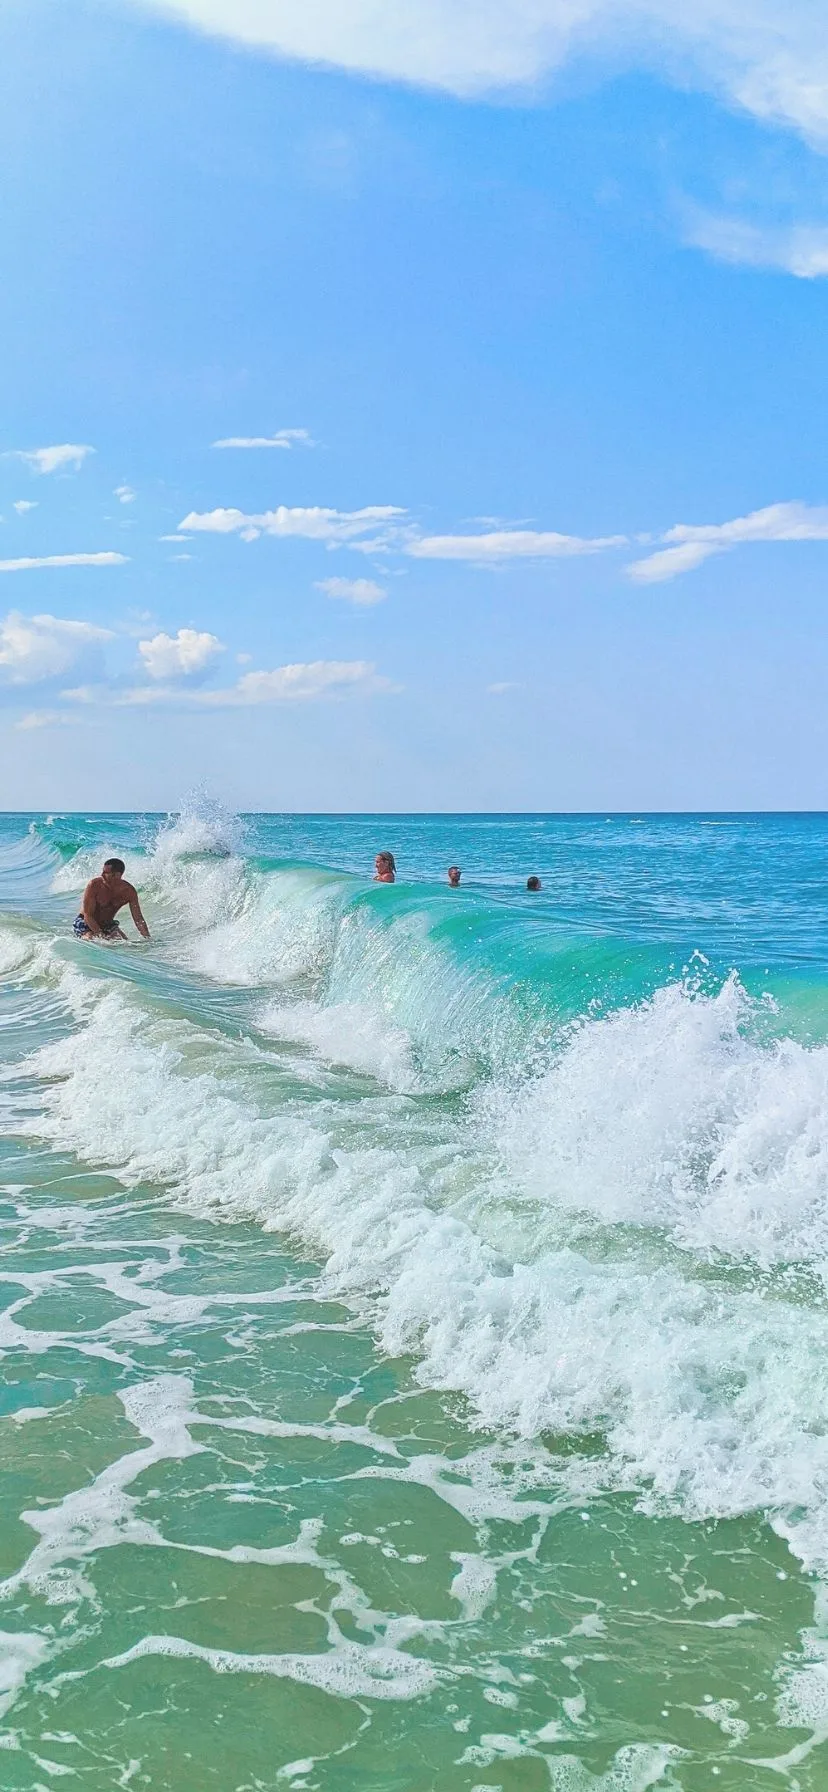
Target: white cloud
{"x":24,"y":504}
{"x":316,"y":524}
{"x":179,"y":656}
{"x":768,"y":57}
{"x":799,"y":249}
{"x":284,"y":438}
{"x":510,"y":544}
{"x":392,"y":539}
{"x":50,"y":460}
{"x":29,"y":564}
{"x":690,"y":544}
{"x":300,"y":683}
{"x":48,"y":718}
{"x":354,"y":591}
{"x":125,"y":494}
{"x":505,"y":684}
{"x":38,"y":647}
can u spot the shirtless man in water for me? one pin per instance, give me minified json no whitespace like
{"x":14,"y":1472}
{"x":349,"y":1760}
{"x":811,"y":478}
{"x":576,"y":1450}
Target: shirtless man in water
{"x":102,"y":899}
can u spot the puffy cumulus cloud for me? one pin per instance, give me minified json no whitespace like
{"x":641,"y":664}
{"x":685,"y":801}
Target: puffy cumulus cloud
{"x":24,"y":504}
{"x":363,"y":592}
{"x":125,"y":494}
{"x":33,"y":648}
{"x":284,"y":438}
{"x":32,"y":563}
{"x":689,"y":544}
{"x":510,"y":544}
{"x":183,"y":655}
{"x":315,"y":523}
{"x":52,"y":460}
{"x":798,"y":249}
{"x":768,"y":57}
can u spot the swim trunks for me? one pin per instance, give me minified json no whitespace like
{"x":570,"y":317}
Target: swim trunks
{"x":82,"y":932}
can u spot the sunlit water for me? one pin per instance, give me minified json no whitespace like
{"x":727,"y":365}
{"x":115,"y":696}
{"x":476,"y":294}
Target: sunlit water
{"x":413,"y":1307}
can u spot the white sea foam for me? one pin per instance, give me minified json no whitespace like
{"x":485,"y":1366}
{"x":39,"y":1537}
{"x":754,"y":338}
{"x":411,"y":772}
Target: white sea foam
{"x":202,"y":825}
{"x":636,"y":1768}
{"x":201,"y":830}
{"x":350,"y":1034}
{"x":20,"y":1652}
{"x":711,"y":1399}
{"x":21,"y":949}
{"x":250,"y":928}
{"x":75,"y":873}
{"x":104,"y":1513}
{"x":351,"y":1671}
{"x":672,"y":1114}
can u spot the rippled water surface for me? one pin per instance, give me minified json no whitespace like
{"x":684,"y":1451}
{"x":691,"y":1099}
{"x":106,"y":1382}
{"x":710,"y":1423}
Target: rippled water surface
{"x":413,"y":1306}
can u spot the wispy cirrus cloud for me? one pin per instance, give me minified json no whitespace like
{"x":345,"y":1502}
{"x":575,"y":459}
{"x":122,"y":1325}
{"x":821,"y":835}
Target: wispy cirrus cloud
{"x":689,"y":544}
{"x":798,"y":249}
{"x":362,"y":592}
{"x":766,"y":57}
{"x":283,"y":438}
{"x":499,"y":545}
{"x":34,"y":648}
{"x":183,"y":655}
{"x":59,"y":457}
{"x":301,"y":682}
{"x":33,"y":563}
{"x":314,"y":523}
{"x":48,"y":718}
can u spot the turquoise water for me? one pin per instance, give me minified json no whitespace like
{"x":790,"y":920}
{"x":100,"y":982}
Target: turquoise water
{"x":413,"y":1306}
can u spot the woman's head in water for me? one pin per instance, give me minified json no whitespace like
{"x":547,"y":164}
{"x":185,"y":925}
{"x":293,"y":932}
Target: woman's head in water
{"x":386,"y":869}
{"x":534,"y":883}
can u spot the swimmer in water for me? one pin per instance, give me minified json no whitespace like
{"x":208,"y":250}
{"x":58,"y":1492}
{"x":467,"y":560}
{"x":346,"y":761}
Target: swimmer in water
{"x":534,"y":883}
{"x":454,"y":876}
{"x":386,"y":869}
{"x":102,"y":899}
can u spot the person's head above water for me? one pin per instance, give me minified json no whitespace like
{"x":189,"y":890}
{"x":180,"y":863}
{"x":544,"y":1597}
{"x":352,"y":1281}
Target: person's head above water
{"x":534,"y":883}
{"x":113,"y":870}
{"x":386,"y":869}
{"x":454,"y":875}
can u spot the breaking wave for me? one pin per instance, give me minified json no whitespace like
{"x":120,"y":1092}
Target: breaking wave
{"x":588,"y":1195}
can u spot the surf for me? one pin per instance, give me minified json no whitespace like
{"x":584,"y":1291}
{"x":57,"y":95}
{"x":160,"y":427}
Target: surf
{"x":557,"y":1189}
{"x":550,"y":1200}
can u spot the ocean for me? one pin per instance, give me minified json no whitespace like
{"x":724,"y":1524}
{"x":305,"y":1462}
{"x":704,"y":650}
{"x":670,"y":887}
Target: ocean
{"x":413,"y":1306}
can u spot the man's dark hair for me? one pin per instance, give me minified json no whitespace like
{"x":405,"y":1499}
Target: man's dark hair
{"x":533,"y":883}
{"x":114,"y":865}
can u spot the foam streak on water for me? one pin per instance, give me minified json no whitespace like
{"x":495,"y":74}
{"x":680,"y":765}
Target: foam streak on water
{"x":412,"y":1307}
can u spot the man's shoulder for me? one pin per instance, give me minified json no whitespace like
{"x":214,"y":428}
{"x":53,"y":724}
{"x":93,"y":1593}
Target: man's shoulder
{"x":127,"y":887}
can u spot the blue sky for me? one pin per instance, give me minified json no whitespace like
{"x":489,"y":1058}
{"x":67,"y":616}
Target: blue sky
{"x":533,"y":317}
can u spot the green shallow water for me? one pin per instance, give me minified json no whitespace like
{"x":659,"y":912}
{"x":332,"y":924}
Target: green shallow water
{"x":399,"y":1387}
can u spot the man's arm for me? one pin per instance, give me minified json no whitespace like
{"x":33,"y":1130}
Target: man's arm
{"x":135,"y":911}
{"x":89,"y":908}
